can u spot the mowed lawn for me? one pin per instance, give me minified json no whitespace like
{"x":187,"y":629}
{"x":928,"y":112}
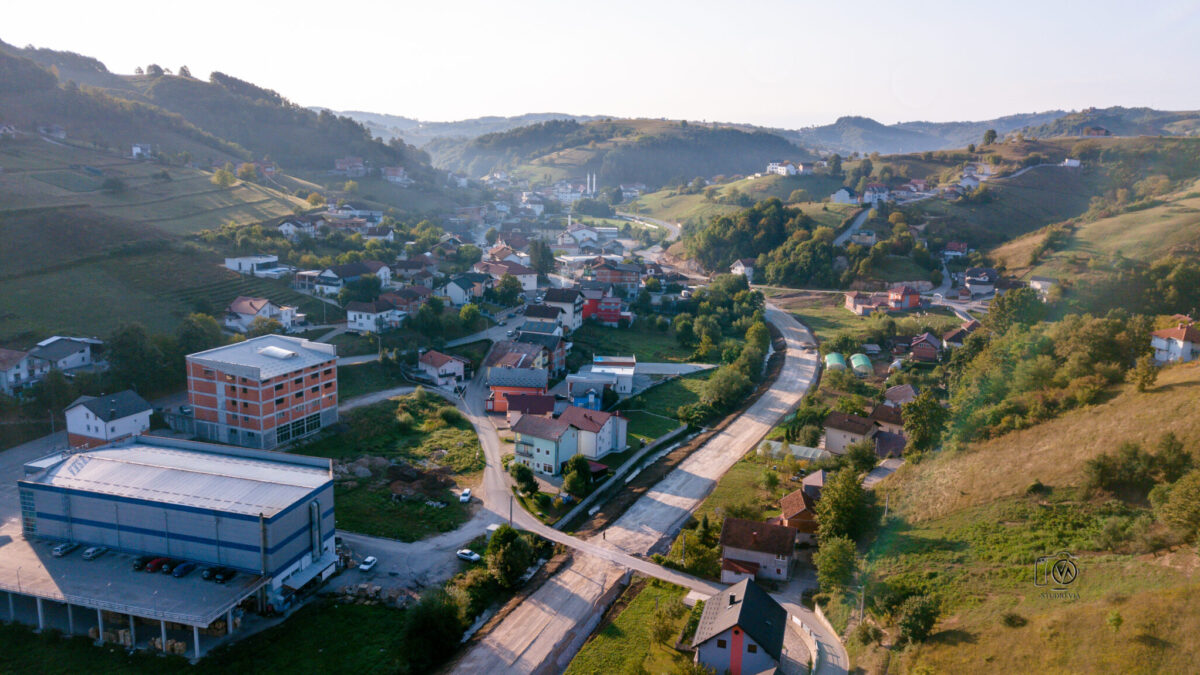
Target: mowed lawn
{"x":647,"y":426}
{"x":827,"y":316}
{"x":641,"y":340}
{"x":626,"y":644}
{"x":666,"y":398}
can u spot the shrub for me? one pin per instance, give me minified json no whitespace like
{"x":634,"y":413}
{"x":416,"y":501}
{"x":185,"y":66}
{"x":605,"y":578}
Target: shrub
{"x":544,"y":501}
{"x":1013,"y":620}
{"x":866,"y":634}
{"x":450,"y":415}
{"x":918,"y":615}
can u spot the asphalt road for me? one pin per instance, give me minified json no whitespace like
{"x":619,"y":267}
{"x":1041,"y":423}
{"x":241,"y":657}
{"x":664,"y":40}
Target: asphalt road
{"x":543,"y":633}
{"x":858,"y":221}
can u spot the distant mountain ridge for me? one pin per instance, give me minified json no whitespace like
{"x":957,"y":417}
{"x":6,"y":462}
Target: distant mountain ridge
{"x":1120,"y":121}
{"x":865,"y":135}
{"x":420,"y":133}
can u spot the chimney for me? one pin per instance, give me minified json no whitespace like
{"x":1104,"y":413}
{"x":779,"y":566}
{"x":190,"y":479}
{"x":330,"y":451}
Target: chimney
{"x":732,"y":599}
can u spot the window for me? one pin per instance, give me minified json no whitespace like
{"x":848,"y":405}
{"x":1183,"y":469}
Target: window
{"x":279,"y":387}
{"x":315,"y":389}
{"x":279,"y":401}
{"x":229,"y":378}
{"x":328,"y":371}
{"x":299,"y":395}
{"x":720,"y":643}
{"x":753,"y":649}
{"x":329,"y":385}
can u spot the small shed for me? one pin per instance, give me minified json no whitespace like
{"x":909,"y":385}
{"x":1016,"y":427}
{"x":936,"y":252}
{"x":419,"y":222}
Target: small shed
{"x":835,"y":361}
{"x":861,"y":365}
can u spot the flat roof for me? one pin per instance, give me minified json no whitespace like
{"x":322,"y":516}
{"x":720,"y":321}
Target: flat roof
{"x":208,"y":477}
{"x":267,"y":356}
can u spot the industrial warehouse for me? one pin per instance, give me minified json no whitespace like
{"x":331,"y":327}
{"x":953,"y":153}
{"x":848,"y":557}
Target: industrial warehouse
{"x":265,"y":519}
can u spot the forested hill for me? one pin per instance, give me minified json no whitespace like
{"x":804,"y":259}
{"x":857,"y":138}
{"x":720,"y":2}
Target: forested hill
{"x":1119,"y":121}
{"x":654,"y":152}
{"x":261,"y":121}
{"x":420,"y":133}
{"x":865,"y":135}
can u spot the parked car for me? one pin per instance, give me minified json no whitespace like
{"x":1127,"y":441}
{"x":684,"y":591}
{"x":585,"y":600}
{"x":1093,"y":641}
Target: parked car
{"x":170,"y":565}
{"x":368,"y":563}
{"x":183,"y":570}
{"x":156,"y":564}
{"x":141,"y":562}
{"x":93,"y":552}
{"x":208,"y":573}
{"x":511,"y":333}
{"x":468,"y":555}
{"x":465,"y":496}
{"x":63,"y":549}
{"x":224,"y":574}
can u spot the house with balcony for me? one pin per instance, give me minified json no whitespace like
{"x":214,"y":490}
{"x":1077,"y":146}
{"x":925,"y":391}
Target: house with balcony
{"x":544,"y":444}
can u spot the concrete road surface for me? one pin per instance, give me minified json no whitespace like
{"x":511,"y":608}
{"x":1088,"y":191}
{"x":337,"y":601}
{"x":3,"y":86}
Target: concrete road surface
{"x":858,"y":221}
{"x":495,"y":333}
{"x":545,"y":632}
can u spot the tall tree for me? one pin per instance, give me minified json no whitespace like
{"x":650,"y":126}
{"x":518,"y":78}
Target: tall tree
{"x":841,"y":511}
{"x":508,"y":555}
{"x":989,"y":137}
{"x":1017,"y":306}
{"x":541,"y":258}
{"x":924,"y":419}
{"x":133,"y":358}
{"x":835,"y":561}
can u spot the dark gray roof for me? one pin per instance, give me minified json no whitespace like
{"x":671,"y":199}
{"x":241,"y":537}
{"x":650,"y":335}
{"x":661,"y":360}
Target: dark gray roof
{"x":547,"y":340}
{"x":59,"y":349}
{"x":548,"y":428}
{"x":539,"y":326}
{"x":113,"y":406}
{"x":565,"y":295}
{"x":542,"y":312}
{"x":747,"y":605}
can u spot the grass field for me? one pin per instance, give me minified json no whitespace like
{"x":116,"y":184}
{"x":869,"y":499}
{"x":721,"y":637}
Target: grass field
{"x":827,"y":316}
{"x":647,"y":426}
{"x":1146,"y":234}
{"x":626,"y":645}
{"x":665,"y":398}
{"x":320,"y":637}
{"x":365,"y":510}
{"x":694,"y":208}
{"x":900,"y":268}
{"x":156,"y":288}
{"x":642,"y":340}
{"x":365,"y":378}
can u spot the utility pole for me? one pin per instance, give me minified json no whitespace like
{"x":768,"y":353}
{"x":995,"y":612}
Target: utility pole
{"x":510,"y":505}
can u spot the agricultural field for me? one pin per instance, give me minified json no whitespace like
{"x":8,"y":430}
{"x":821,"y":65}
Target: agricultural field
{"x":827,"y":316}
{"x":694,"y":208}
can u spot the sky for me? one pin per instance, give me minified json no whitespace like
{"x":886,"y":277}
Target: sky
{"x":781,"y":63}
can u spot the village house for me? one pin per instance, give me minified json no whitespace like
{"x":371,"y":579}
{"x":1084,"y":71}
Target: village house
{"x":529,"y":404}
{"x":624,"y":276}
{"x":465,"y":288}
{"x":570,"y":302}
{"x":926,"y":347}
{"x":446,"y":370}
{"x":376,"y":316}
{"x":744,"y":267}
{"x":741,"y":631}
{"x":331,"y":280}
{"x":408,"y":299}
{"x":953,"y":339}
{"x":256,"y":265}
{"x":813,"y":483}
{"x":242,"y":312}
{"x":294,"y":228}
{"x":94,"y":421}
{"x":553,"y":344}
{"x":497,"y":270}
{"x":65,"y":353}
{"x":396,"y":175}
{"x":410,"y":268}
{"x":620,"y":367}
{"x":544,"y":313}
{"x":875,"y":193}
{"x":515,"y":368}
{"x":544,"y":444}
{"x":844,"y":196}
{"x":955,"y":249}
{"x":379,"y":234}
{"x":903,"y":298}
{"x":351,"y":167}
{"x":900,"y":395}
{"x":752,"y":549}
{"x":845,"y":429}
{"x":798,"y":511}
{"x":19,"y":370}
{"x":781,"y":168}
{"x":1176,"y":344}
{"x":864,"y":304}
{"x":887,"y":418}
{"x":599,"y":432}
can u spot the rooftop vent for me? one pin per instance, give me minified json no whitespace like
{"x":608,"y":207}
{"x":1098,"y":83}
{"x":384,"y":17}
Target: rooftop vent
{"x":277,"y":353}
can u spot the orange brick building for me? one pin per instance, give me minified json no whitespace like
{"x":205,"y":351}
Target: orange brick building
{"x":263,"y":392}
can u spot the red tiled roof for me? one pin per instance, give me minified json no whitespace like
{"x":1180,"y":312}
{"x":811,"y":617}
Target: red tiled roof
{"x":438,"y":359}
{"x":10,"y":358}
{"x":244,"y":304}
{"x":887,"y":414}
{"x":796,"y":503}
{"x":531,"y":404}
{"x":1180,"y":332}
{"x":855,"y":424}
{"x":585,"y":419}
{"x":739,"y":566}
{"x":750,"y":535}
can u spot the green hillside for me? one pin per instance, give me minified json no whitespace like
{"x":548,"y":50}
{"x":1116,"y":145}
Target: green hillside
{"x":654,"y":152}
{"x":968,"y":526}
{"x":688,"y":206}
{"x":1120,"y":121}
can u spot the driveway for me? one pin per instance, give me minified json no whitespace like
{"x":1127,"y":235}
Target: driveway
{"x":858,"y":222}
{"x":886,"y":468}
{"x":495,"y":333}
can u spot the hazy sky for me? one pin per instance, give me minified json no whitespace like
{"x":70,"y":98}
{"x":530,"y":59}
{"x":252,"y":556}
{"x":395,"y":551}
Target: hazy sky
{"x":780,"y":63}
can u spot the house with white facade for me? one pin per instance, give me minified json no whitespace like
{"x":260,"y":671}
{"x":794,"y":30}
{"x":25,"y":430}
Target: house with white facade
{"x":376,"y":316}
{"x":781,"y":168}
{"x":544,"y":444}
{"x":844,"y":196}
{"x":465,"y":288}
{"x":845,"y":429}
{"x":757,"y":550}
{"x":497,"y":270}
{"x":1176,"y":344}
{"x":19,"y":370}
{"x":255,"y":265}
{"x":620,"y":367}
{"x":571,"y":302}
{"x":244,"y":310}
{"x":93,"y":421}
{"x":599,"y":432}
{"x":445,"y":369}
{"x":331,"y":280}
{"x":65,"y":353}
{"x":744,"y":267}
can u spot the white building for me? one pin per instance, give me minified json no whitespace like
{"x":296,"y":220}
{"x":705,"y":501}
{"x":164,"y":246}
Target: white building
{"x":599,"y":432}
{"x":1175,"y":344}
{"x":571,"y":302}
{"x":254,"y":265}
{"x":376,"y":316}
{"x":19,"y":370}
{"x":844,"y":196}
{"x":65,"y":353}
{"x":242,"y":312}
{"x":1072,"y":163}
{"x":622,"y":367}
{"x":781,"y":168}
{"x":744,"y":267}
{"x":444,"y":369}
{"x":93,"y":421}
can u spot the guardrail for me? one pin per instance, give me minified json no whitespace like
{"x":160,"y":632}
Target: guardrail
{"x":615,"y":479}
{"x":811,"y":642}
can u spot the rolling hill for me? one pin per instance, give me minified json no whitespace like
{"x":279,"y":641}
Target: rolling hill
{"x":968,"y":527}
{"x":654,"y":152}
{"x":865,"y":135}
{"x":1119,"y":121}
{"x":420,"y":133}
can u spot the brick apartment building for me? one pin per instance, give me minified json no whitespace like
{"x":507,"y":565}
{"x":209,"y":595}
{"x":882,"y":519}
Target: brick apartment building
{"x":264,"y":392}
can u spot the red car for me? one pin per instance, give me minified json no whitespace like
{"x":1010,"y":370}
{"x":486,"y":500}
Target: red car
{"x":156,"y":564}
